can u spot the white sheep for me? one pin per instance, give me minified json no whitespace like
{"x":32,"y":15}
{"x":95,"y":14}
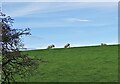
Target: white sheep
{"x":103,"y":44}
{"x":67,"y":46}
{"x":50,"y":46}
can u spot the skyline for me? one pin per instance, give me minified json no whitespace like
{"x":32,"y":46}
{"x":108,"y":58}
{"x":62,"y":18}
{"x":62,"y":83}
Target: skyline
{"x":59,"y":23}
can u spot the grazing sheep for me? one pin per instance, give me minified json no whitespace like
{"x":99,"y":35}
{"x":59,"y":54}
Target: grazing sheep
{"x":67,"y":46}
{"x":50,"y":46}
{"x":103,"y":44}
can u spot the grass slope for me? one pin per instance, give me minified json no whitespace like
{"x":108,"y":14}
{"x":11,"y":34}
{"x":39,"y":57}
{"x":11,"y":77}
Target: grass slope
{"x":80,"y":64}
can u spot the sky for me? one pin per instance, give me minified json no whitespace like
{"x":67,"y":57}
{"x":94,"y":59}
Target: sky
{"x":59,"y":23}
{"x":60,"y":0}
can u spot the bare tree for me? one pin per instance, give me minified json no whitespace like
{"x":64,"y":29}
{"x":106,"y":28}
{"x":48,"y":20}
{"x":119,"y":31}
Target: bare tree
{"x":14,"y":61}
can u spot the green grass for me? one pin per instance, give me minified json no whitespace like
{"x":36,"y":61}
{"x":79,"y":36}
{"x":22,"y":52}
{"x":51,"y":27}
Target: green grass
{"x":80,"y":64}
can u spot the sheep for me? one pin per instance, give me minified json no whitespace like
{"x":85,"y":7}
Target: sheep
{"x":50,"y":46}
{"x":67,"y":46}
{"x":103,"y":44}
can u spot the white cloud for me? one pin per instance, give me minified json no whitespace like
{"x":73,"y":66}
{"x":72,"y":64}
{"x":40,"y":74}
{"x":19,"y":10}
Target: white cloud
{"x":28,"y":9}
{"x":32,"y":8}
{"x":77,"y":20}
{"x":36,"y":37}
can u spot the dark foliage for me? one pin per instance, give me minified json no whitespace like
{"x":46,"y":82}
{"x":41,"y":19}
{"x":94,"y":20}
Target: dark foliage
{"x":14,"y":62}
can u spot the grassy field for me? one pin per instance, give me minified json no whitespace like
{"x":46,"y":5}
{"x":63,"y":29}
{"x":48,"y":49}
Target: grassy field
{"x":80,"y":64}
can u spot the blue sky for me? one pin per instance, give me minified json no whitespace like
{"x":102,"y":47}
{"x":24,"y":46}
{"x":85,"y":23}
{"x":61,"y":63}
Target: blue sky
{"x":59,"y":23}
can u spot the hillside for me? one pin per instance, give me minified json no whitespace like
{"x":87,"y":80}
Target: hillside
{"x":80,"y":64}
